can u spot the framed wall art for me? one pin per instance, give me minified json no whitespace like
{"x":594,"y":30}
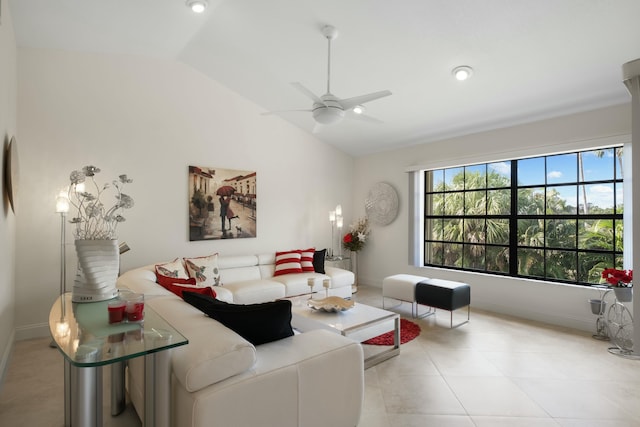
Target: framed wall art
{"x":222,"y":203}
{"x":11,"y":173}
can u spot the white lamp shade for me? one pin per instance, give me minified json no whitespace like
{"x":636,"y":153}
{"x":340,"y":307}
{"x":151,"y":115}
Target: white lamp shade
{"x":62,"y":203}
{"x":332,"y":216}
{"x":338,"y":210}
{"x":339,"y":222}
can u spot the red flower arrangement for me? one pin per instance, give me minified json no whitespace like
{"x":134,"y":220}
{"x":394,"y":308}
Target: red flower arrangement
{"x":355,"y":239}
{"x":618,"y":278}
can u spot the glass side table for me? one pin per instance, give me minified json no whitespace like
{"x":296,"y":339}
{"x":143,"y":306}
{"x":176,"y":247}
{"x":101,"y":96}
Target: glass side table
{"x":346,"y":263}
{"x":87,"y":341}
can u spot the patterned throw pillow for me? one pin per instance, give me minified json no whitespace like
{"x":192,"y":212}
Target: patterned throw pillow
{"x":174,"y":270}
{"x":204,"y":270}
{"x":288,"y":262}
{"x":306,"y":259}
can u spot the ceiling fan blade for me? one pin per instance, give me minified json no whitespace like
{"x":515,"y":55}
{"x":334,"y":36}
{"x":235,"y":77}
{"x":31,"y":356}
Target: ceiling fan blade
{"x":266,"y":113}
{"x":357,"y":100}
{"x":364,"y":118}
{"x":307,"y":92}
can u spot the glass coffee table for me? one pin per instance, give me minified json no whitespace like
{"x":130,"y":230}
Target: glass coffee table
{"x":87,"y":341}
{"x":360,"y":323}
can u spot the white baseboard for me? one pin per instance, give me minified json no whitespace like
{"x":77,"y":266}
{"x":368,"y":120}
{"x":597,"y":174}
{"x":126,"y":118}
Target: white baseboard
{"x":37,"y":330}
{"x":557,"y":318}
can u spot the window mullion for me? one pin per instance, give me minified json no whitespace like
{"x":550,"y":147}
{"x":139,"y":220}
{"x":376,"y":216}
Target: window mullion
{"x":513,"y":221}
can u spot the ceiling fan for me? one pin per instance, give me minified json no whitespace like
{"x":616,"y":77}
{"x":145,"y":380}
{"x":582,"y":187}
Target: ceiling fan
{"x":328,"y":109}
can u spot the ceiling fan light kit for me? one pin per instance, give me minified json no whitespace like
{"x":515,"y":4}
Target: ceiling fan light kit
{"x":328,"y":109}
{"x":462,"y":72}
{"x":358,"y":109}
{"x":198,"y":6}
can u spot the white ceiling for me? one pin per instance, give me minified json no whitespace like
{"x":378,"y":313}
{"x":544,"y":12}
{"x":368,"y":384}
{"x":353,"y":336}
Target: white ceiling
{"x":532,"y":59}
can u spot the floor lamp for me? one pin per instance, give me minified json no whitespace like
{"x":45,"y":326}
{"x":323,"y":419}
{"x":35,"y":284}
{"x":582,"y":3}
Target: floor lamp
{"x":62,"y":207}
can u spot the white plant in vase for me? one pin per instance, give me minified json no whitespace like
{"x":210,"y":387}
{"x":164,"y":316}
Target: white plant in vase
{"x":95,"y":233}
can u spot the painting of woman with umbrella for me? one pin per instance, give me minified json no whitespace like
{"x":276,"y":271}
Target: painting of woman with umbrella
{"x":236,"y":193}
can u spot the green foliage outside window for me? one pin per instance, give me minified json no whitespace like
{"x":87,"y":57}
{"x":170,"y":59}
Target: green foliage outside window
{"x":561,"y":220}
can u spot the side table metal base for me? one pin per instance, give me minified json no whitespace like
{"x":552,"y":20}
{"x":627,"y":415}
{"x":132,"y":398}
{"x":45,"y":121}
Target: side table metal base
{"x":157,"y":389}
{"x":118,"y":397}
{"x":83,"y":399}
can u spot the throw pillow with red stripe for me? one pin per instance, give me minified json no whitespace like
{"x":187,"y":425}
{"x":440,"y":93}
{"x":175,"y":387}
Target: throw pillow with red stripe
{"x":288,"y":262}
{"x":306,"y":259}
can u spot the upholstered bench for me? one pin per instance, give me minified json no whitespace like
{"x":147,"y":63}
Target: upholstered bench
{"x":401,"y":287}
{"x":444,"y":294}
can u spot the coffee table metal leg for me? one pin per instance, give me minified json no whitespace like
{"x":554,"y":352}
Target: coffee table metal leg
{"x":396,"y":333}
{"x":85,"y":396}
{"x":387,"y":354}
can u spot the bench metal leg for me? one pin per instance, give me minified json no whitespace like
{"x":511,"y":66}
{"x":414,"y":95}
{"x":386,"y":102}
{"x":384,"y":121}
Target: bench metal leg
{"x":397,"y":305}
{"x":430,"y":312}
{"x":460,"y":324}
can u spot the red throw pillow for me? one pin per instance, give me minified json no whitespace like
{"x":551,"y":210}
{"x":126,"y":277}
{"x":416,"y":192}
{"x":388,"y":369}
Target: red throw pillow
{"x":288,"y":262}
{"x":167,"y":280}
{"x":306,"y":260}
{"x":178,"y":290}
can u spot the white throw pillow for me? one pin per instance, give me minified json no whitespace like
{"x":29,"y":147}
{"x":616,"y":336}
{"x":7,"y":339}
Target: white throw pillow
{"x":204,"y":269}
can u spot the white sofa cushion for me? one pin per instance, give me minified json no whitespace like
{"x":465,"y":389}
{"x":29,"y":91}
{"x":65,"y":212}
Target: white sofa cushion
{"x":255,"y":291}
{"x":297,"y":381}
{"x":200,"y":364}
{"x":238,"y":268}
{"x":296,"y":284}
{"x":339,"y":277}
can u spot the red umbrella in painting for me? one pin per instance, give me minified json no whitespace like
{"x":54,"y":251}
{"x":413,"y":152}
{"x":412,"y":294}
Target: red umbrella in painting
{"x":225,"y":190}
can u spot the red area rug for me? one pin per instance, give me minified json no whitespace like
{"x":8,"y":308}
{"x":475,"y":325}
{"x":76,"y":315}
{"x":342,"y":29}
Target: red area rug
{"x":408,"y":331}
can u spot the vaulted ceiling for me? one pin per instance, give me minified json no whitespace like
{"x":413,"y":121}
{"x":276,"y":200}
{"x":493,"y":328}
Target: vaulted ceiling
{"x":531,"y":59}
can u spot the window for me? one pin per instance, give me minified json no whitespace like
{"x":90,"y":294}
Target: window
{"x":556,"y":217}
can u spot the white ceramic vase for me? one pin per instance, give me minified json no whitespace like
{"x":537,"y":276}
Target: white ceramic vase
{"x":98,"y":268}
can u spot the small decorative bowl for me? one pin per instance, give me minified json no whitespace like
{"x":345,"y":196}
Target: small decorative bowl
{"x":331,"y":304}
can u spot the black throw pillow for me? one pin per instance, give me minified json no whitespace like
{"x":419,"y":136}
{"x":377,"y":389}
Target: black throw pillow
{"x":257,"y":323}
{"x":318,"y":261}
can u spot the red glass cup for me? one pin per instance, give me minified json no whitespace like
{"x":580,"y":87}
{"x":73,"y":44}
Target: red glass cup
{"x":116,"y":310}
{"x":135,"y":308}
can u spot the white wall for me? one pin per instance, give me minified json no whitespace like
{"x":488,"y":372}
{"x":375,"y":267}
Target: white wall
{"x":151,"y":119}
{"x":7,"y":218}
{"x":559,"y":304}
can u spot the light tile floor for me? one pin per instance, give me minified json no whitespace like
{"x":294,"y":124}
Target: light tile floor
{"x":499,"y":371}
{"x":495,"y":371}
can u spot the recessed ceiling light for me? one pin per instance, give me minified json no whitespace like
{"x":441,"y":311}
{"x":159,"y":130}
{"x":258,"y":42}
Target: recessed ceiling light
{"x":462,"y":72}
{"x":198,"y":6}
{"x":358,"y":109}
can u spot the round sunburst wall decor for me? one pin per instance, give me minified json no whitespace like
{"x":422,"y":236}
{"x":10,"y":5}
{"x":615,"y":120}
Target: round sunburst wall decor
{"x":381,"y":204}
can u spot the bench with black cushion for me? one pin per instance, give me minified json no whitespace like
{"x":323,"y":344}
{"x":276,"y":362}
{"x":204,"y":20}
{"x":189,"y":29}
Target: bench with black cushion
{"x":444,"y":294}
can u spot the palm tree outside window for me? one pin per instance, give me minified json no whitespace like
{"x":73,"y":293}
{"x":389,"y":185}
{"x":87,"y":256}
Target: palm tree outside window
{"x":556,"y":217}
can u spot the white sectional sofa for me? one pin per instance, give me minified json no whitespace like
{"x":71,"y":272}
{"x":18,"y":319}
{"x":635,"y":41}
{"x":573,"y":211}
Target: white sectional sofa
{"x":220,"y":379}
